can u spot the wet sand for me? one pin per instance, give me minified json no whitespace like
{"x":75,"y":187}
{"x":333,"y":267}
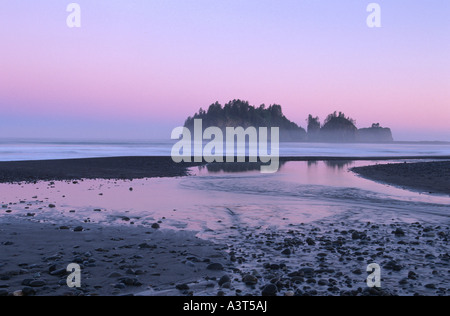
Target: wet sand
{"x":427,"y":177}
{"x":114,"y":260}
{"x":92,"y":168}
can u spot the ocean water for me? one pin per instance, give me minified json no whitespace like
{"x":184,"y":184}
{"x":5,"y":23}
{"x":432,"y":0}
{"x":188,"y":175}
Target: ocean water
{"x":28,"y":149}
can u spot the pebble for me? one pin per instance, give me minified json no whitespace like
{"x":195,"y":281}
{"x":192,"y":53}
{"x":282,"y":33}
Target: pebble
{"x":215,"y":267}
{"x":224,"y":279}
{"x":28,"y":291}
{"x":249,"y":279}
{"x":114,"y":275}
{"x":182,"y":287}
{"x":412,"y":275}
{"x":37,"y":283}
{"x":59,"y":272}
{"x":323,"y":282}
{"x":286,"y":252}
{"x":399,"y":232}
{"x":269,"y":290}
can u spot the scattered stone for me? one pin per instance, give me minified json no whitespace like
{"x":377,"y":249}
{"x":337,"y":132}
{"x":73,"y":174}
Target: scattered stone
{"x":310,"y":242}
{"x":412,"y":275}
{"x":323,"y":282}
{"x":215,"y":267}
{"x":146,"y":246}
{"x":37,"y":283}
{"x":403,"y":281}
{"x":59,"y":272}
{"x":393,"y":265}
{"x":249,"y":279}
{"x":182,"y":287}
{"x":286,"y":252}
{"x":270,"y":290}
{"x":399,"y":232}
{"x":306,"y":272}
{"x":28,"y":291}
{"x":224,"y":279}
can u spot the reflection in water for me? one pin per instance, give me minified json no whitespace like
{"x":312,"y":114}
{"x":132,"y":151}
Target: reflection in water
{"x":338,"y":164}
{"x":333,"y":164}
{"x":234,"y":167}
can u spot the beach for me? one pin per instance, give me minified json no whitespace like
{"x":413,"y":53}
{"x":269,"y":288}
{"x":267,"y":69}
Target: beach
{"x":237,"y":251}
{"x":427,"y":177}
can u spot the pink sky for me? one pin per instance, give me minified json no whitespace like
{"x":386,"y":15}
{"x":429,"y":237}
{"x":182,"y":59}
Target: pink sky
{"x":156,"y":62}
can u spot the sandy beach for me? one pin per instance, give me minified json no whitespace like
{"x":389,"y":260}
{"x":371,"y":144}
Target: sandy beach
{"x":321,"y":257}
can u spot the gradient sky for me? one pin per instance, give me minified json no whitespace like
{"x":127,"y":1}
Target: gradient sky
{"x":137,"y":69}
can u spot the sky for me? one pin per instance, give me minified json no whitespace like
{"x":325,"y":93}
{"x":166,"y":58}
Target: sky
{"x":136,"y":69}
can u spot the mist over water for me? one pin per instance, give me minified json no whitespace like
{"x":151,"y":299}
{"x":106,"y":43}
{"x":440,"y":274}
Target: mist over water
{"x":27,"y":149}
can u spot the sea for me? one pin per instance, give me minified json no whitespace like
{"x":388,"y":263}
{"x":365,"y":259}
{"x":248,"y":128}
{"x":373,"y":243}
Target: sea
{"x":45,"y":149}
